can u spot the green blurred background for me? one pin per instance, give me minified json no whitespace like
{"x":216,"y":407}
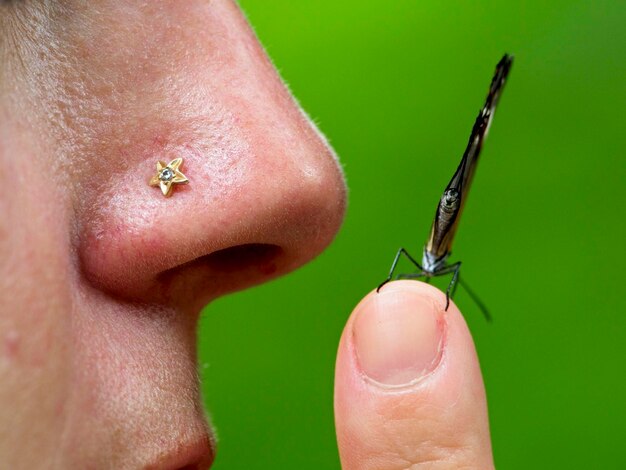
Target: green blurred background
{"x":396,"y":87}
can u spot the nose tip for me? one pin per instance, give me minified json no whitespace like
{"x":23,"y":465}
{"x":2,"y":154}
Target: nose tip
{"x":221,"y":233}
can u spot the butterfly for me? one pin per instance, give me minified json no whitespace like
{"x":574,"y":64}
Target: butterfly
{"x":438,"y":247}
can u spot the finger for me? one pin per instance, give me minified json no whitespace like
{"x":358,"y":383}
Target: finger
{"x":408,"y":387}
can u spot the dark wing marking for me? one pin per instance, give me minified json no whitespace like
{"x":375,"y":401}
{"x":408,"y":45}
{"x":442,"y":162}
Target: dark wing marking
{"x":462,"y":178}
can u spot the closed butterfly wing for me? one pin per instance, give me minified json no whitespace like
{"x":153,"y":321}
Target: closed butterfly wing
{"x":454,"y":197}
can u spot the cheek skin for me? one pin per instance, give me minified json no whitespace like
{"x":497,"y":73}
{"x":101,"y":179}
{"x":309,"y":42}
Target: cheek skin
{"x":141,"y":385}
{"x":35,"y":354}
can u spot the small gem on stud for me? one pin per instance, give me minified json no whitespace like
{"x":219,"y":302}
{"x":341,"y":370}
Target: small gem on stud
{"x":168,"y":175}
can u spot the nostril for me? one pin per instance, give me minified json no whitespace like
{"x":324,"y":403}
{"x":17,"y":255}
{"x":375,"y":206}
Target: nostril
{"x":241,"y":257}
{"x":226,"y":270}
{"x":238,"y":258}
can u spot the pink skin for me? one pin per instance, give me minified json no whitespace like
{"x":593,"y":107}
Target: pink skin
{"x":103,"y":278}
{"x":431,"y":411}
{"x":106,"y":275}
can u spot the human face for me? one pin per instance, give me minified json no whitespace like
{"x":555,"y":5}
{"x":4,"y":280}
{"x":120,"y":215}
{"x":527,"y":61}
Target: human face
{"x":102,"y":277}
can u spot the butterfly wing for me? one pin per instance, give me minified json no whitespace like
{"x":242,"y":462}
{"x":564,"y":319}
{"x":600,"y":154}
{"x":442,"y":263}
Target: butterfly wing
{"x":453,"y":199}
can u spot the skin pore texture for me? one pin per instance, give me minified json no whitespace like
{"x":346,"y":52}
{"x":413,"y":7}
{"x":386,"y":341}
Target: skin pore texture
{"x":103,"y":278}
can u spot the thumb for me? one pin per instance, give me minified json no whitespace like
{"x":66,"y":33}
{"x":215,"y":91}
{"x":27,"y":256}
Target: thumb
{"x":408,"y":388}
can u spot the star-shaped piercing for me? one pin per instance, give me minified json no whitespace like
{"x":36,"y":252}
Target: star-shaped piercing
{"x":168,"y":175}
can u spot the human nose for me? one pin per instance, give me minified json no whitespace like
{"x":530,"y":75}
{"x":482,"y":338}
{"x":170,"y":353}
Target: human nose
{"x":265,"y":191}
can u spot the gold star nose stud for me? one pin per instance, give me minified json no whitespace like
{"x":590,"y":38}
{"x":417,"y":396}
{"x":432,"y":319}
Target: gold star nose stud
{"x":168,"y":175}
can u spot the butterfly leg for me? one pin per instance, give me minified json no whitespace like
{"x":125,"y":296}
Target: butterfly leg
{"x":455,"y":269}
{"x":452,"y":284}
{"x":456,"y":284}
{"x":456,"y":279}
{"x":400,"y":252}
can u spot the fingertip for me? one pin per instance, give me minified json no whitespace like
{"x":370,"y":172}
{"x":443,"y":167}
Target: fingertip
{"x":407,"y":377}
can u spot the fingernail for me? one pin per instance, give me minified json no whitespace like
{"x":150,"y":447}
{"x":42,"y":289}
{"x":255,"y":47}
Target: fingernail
{"x":398,"y":336}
